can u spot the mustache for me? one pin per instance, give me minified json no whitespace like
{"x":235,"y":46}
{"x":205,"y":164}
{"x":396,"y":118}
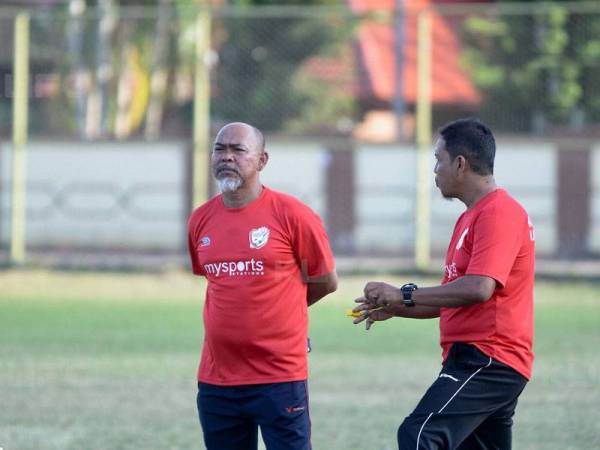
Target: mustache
{"x":223,"y":168}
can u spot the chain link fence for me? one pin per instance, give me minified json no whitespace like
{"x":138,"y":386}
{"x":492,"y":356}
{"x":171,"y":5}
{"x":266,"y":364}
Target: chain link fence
{"x":338,"y":83}
{"x":109,"y":72}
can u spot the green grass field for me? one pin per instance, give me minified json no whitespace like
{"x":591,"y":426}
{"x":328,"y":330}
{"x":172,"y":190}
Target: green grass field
{"x":105,"y":361}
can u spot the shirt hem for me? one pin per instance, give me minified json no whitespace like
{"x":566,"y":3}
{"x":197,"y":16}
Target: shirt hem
{"x":240,"y":382}
{"x":523,"y":373}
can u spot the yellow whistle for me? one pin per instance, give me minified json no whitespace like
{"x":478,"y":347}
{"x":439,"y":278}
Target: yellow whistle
{"x":351,"y":313}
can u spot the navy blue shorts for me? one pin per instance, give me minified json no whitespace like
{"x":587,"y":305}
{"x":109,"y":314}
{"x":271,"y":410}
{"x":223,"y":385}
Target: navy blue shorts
{"x":469,"y":407}
{"x":230,"y":416}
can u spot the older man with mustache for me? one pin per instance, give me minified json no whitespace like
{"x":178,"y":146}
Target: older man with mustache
{"x":266,"y":258}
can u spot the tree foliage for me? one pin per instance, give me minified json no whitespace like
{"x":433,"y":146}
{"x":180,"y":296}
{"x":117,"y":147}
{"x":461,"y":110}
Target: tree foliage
{"x":258,"y":59}
{"x":537,"y":71}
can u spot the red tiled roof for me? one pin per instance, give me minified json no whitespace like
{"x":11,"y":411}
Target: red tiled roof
{"x":450,"y":82}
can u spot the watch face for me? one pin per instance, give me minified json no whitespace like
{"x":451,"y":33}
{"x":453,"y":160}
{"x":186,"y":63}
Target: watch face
{"x":407,"y":291}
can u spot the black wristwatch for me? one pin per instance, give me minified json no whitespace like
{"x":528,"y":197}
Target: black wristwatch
{"x":407,"y":291}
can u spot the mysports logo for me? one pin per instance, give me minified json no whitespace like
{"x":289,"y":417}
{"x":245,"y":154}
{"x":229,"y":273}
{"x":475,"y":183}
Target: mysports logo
{"x":235,"y":268}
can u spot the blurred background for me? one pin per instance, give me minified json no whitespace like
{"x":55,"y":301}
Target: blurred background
{"x":107,"y":113}
{"x":108,"y":109}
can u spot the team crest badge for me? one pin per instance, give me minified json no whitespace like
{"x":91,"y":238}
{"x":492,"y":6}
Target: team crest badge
{"x":259,"y":237}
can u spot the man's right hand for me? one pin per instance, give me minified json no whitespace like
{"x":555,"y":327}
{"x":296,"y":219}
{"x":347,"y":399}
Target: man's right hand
{"x":369,"y":315}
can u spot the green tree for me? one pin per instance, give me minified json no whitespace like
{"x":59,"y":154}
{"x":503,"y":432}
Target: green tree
{"x":537,"y":70}
{"x":257,"y":62}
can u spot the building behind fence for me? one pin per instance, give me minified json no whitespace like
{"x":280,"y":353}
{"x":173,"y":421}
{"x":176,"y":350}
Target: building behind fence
{"x":117,"y":143}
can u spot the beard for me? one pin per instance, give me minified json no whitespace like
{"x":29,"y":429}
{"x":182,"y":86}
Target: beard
{"x":229,"y":184}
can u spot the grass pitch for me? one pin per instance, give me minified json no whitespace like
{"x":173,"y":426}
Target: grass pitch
{"x":99,"y":361}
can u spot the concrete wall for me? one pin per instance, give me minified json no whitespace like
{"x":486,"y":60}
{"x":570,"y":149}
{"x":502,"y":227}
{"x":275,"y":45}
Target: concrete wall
{"x":107,"y":195}
{"x":100,"y":194}
{"x":386,"y":180}
{"x":594,"y":237}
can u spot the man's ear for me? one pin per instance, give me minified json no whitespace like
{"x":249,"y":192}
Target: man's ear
{"x":262,"y":162}
{"x":461,"y":164}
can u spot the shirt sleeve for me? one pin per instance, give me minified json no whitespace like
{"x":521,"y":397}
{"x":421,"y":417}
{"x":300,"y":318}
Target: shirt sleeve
{"x":192,"y":242}
{"x":311,"y":244}
{"x":497,"y":238}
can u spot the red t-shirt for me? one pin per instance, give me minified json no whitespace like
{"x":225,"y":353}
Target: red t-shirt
{"x":255,"y":312}
{"x":494,"y":238}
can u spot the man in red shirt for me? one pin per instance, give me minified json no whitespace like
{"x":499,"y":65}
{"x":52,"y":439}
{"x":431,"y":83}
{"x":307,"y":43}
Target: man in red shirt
{"x":485,"y":304}
{"x":266,"y":258}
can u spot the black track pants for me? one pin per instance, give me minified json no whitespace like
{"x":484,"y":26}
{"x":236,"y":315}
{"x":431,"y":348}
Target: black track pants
{"x":470,"y":406}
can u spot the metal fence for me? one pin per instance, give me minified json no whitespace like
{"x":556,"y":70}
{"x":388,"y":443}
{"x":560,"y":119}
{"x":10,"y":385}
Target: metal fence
{"x":358,"y":82}
{"x":122,"y":72}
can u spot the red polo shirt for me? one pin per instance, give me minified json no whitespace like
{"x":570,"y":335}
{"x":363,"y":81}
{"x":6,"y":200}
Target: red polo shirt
{"x":255,"y":313}
{"x":494,"y":238}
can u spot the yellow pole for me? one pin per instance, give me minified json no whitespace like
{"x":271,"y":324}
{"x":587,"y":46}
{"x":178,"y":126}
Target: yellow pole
{"x":20,"y":111}
{"x":201,"y":109}
{"x":423,"y":134}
